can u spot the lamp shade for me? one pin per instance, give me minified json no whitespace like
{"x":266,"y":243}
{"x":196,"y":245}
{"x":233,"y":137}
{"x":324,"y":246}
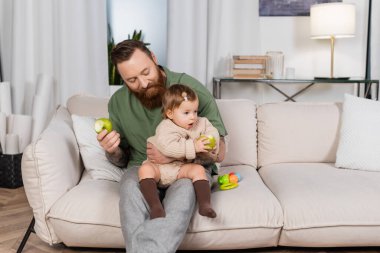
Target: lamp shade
{"x":332,"y":19}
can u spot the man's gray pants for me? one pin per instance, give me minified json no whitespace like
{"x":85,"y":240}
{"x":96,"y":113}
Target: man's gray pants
{"x":161,"y":235}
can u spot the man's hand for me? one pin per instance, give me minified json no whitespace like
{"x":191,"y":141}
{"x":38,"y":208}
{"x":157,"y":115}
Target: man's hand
{"x":222,"y":150}
{"x":155,"y":155}
{"x":109,"y":142}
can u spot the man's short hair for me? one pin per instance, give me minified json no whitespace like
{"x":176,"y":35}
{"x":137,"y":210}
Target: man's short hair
{"x":124,"y":50}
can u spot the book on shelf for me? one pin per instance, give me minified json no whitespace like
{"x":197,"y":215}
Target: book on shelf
{"x":257,"y":61}
{"x":247,"y":71}
{"x":249,"y":57}
{"x":253,"y":76}
{"x":248,"y":66}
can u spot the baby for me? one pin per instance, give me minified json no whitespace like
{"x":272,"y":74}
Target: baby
{"x":179,"y":136}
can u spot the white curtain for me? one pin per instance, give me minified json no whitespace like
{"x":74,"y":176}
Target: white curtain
{"x":375,"y":40}
{"x":204,"y":34}
{"x":62,"y":39}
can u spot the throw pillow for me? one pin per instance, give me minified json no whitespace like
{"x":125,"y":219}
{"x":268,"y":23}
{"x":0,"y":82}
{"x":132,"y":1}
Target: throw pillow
{"x":239,"y":117}
{"x":359,"y":140}
{"x":93,"y":155}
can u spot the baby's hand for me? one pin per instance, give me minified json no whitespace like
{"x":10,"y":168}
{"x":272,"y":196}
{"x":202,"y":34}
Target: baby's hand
{"x":200,"y":145}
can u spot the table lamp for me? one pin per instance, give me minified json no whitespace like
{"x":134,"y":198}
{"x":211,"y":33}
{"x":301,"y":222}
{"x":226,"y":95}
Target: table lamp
{"x":332,"y":21}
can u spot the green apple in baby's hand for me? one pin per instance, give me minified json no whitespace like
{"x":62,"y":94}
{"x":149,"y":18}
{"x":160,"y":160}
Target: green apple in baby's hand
{"x":101,"y":124}
{"x":211,"y":140}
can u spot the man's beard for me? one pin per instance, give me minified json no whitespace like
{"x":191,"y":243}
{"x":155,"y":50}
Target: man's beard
{"x":151,"y":97}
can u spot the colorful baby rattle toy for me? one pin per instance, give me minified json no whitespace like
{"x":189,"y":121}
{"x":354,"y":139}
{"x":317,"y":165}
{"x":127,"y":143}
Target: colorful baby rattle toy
{"x":229,"y":181}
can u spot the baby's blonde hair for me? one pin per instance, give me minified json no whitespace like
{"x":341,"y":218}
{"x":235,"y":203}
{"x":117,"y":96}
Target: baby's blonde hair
{"x":175,"y":95}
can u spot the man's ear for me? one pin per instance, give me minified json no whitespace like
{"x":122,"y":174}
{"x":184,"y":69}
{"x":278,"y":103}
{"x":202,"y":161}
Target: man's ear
{"x":169,"y":114}
{"x":154,"y":58}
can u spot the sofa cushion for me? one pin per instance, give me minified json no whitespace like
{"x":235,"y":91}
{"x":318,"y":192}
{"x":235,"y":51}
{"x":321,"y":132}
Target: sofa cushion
{"x":248,"y":216}
{"x":88,"y":105}
{"x":88,"y":211}
{"x":50,"y":167}
{"x":325,"y":206}
{"x":239,"y":117}
{"x":93,"y":155}
{"x":297,"y":132}
{"x":359,"y":141}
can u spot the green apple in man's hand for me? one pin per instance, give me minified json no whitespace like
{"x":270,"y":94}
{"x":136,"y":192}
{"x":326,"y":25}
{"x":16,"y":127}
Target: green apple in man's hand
{"x":101,"y":124}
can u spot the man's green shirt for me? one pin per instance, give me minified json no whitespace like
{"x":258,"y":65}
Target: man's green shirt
{"x":135,"y":123}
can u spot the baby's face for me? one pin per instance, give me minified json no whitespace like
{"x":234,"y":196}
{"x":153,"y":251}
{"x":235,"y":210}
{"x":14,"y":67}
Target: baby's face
{"x":186,"y":114}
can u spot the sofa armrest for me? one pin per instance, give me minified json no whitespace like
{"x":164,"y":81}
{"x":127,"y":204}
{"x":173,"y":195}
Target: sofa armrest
{"x":51,"y":166}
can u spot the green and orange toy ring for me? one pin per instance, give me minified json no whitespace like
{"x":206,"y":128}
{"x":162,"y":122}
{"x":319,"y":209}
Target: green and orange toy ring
{"x":229,"y":181}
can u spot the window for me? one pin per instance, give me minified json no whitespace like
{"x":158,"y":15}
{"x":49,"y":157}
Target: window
{"x":150,"y":16}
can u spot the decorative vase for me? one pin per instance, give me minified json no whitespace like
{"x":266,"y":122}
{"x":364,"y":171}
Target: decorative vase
{"x":275,"y":66}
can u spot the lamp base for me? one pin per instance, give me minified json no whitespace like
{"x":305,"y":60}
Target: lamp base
{"x":330,"y":78}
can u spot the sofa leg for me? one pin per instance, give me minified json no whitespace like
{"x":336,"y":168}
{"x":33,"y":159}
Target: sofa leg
{"x":26,"y":236}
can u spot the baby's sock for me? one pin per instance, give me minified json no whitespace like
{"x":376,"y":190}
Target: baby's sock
{"x":203,"y":194}
{"x":148,"y":187}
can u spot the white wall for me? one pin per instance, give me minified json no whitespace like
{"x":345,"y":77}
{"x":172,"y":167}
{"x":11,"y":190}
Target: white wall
{"x":375,"y":42}
{"x":310,"y":58}
{"x":148,"y":15}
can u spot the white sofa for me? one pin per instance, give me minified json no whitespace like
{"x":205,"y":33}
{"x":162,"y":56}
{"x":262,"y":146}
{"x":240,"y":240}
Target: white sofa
{"x":290,"y":194}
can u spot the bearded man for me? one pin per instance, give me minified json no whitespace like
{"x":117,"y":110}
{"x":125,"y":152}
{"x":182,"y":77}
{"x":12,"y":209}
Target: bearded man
{"x":135,"y":112}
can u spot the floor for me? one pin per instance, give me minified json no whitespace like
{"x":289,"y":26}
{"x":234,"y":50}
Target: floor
{"x":15,"y":216}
